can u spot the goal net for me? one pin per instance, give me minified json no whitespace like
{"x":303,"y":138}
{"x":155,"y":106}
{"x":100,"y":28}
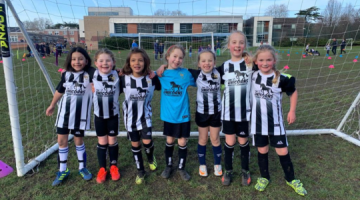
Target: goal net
{"x":157,"y":44}
{"x":328,"y":87}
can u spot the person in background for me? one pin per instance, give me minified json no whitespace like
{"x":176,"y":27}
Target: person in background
{"x":134,"y":45}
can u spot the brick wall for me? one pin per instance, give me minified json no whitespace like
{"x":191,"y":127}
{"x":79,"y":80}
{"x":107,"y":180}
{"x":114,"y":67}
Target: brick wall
{"x":96,"y":27}
{"x":132,"y":28}
{"x":197,"y":28}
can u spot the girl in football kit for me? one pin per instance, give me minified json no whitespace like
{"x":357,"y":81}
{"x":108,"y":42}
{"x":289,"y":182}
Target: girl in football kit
{"x":139,"y":89}
{"x":235,"y":111}
{"x":208,"y":110}
{"x":106,"y":109}
{"x":74,"y":93}
{"x":266,"y":119}
{"x":175,"y":108}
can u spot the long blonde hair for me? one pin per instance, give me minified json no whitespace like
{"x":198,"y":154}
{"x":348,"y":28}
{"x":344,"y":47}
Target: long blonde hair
{"x":269,"y":48}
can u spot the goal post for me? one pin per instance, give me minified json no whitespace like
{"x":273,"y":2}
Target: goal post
{"x":21,"y":167}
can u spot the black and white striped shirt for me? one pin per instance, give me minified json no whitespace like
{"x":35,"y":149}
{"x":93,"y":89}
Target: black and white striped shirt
{"x":236,"y":97}
{"x":266,"y":99}
{"x":208,"y":91}
{"x":106,"y":95}
{"x":75,"y":105}
{"x":136,"y":107}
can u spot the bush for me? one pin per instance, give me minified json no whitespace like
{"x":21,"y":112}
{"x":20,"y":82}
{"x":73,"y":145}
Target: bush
{"x":115,"y":43}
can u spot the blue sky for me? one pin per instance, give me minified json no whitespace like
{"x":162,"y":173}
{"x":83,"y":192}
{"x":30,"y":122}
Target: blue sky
{"x":73,"y":10}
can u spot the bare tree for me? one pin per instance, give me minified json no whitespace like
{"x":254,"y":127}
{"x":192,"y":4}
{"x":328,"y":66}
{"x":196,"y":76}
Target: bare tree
{"x":277,"y":11}
{"x":349,"y":14}
{"x":332,"y":13}
{"x":177,"y":13}
{"x":38,"y":24}
{"x":163,"y":12}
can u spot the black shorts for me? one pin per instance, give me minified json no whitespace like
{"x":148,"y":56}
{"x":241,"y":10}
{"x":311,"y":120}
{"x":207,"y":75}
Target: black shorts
{"x":135,"y":136}
{"x":75,"y":132}
{"x":180,"y":130}
{"x":241,"y":129}
{"x":108,"y":126}
{"x":277,"y":141}
{"x":205,"y":120}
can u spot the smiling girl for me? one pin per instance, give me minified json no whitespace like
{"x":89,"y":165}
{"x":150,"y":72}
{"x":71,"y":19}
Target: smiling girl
{"x":74,"y":93}
{"x":139,"y":90}
{"x":106,"y":110}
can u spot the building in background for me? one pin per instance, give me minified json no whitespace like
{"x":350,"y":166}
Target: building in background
{"x":271,"y":30}
{"x":17,"y":39}
{"x":69,"y":34}
{"x":119,"y":22}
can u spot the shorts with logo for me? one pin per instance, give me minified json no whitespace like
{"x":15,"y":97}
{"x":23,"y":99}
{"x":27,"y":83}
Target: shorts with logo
{"x":108,"y":126}
{"x":277,"y":141}
{"x":179,"y":130}
{"x":241,"y":129}
{"x":135,"y":136}
{"x":75,"y":132}
{"x":205,"y":120}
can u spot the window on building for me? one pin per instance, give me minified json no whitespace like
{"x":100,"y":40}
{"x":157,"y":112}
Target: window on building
{"x":185,"y":28}
{"x":145,"y":28}
{"x":13,"y":38}
{"x":224,"y":28}
{"x":216,"y":28}
{"x":277,"y":26}
{"x":293,"y":26}
{"x":64,"y":32}
{"x":56,"y":32}
{"x":50,"y":32}
{"x":120,"y":28}
{"x":72,"y":39}
{"x":262,"y":31}
{"x":71,"y":32}
{"x":158,"y":28}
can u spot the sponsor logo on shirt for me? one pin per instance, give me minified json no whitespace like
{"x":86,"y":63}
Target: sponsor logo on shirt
{"x":76,"y":88}
{"x":264,"y":92}
{"x":175,"y":90}
{"x":140,"y":96}
{"x":211,"y":88}
{"x":106,"y":90}
{"x":240,"y":79}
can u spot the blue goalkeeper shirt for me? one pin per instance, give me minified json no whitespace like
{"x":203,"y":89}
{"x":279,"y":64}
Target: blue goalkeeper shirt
{"x":175,"y":106}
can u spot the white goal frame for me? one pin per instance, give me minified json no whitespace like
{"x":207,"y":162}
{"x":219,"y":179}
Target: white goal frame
{"x":178,"y":35}
{"x":22,"y":167}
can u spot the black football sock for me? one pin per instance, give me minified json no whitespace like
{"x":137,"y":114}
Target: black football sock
{"x":263,"y":162}
{"x":287,"y":166}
